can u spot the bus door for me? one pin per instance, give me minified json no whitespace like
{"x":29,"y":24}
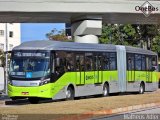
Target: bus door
{"x":80,"y":74}
{"x":130,"y":68}
{"x":98,"y":68}
{"x":148,"y":69}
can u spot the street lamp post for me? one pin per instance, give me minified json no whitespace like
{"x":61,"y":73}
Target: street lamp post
{"x":6,"y":68}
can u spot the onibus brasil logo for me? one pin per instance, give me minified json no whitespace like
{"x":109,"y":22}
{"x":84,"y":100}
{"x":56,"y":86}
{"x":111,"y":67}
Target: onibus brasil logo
{"x":146,"y":8}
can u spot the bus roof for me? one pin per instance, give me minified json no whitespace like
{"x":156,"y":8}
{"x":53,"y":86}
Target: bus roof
{"x":130,"y":49}
{"x":72,"y":46}
{"x":57,"y":45}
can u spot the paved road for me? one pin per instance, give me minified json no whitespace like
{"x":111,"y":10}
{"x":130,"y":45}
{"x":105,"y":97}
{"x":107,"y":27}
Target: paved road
{"x":143,"y":114}
{"x":4,"y":97}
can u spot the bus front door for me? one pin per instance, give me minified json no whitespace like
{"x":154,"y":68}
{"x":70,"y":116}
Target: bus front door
{"x":80,"y":74}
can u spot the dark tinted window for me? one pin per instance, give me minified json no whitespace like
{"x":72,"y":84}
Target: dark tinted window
{"x":79,"y":62}
{"x":130,"y":61}
{"x":138,"y":62}
{"x":89,"y":61}
{"x":98,"y":61}
{"x":143,"y":62}
{"x":70,"y":64}
{"x":112,"y":61}
{"x":106,"y":61}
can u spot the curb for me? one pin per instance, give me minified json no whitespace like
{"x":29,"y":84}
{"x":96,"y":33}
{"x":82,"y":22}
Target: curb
{"x":88,"y":115}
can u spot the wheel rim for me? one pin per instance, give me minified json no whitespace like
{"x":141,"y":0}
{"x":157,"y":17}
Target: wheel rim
{"x":68,"y":94}
{"x":141,"y":89}
{"x":105,"y":92}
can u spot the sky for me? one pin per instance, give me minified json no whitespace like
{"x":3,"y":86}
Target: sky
{"x":37,"y":31}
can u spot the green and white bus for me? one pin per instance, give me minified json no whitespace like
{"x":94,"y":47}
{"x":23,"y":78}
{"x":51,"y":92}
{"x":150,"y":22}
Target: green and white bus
{"x":58,"y":70}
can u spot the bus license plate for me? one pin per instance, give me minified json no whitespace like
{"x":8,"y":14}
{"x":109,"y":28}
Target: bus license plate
{"x":25,"y":93}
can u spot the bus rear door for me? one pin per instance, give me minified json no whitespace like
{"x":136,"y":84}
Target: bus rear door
{"x":148,"y":69}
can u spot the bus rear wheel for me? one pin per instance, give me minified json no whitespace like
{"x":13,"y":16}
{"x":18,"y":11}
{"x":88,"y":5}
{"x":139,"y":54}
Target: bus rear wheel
{"x":33,"y":100}
{"x":141,"y":88}
{"x":70,"y":93}
{"x":105,"y":90}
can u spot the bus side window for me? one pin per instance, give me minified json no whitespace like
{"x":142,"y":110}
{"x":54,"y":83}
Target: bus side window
{"x":148,"y":63}
{"x":106,"y":61}
{"x":79,"y":62}
{"x":89,"y":61}
{"x":138,"y":62}
{"x":143,"y":62}
{"x":131,"y":62}
{"x":112,"y":61}
{"x":98,"y":61}
{"x":154,"y":63}
{"x":60,"y":57}
{"x":70,"y":61}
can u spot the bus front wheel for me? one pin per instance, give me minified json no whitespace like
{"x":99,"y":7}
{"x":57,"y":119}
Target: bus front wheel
{"x":70,"y":93}
{"x":33,"y":100}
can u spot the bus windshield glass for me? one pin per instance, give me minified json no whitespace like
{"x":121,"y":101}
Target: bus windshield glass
{"x":29,"y":67}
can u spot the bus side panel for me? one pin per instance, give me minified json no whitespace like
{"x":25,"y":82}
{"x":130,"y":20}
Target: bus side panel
{"x":134,"y":84}
{"x":152,"y":84}
{"x":62,"y":83}
{"x":80,"y":78}
{"x":148,"y":77}
{"x":112,"y":78}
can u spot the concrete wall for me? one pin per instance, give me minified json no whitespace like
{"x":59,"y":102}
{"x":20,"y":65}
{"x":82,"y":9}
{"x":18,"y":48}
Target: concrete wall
{"x":112,"y":11}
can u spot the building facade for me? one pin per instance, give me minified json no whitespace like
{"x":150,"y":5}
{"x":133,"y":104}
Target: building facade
{"x":13,"y":35}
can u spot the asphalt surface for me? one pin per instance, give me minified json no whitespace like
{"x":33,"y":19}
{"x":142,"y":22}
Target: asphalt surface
{"x":4,"y":97}
{"x":143,"y":114}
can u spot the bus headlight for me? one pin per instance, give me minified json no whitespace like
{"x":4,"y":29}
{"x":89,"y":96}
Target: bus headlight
{"x":43,"y":82}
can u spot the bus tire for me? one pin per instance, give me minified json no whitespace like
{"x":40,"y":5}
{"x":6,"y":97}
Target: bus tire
{"x":33,"y":100}
{"x":105,"y":90}
{"x":141,"y":88}
{"x":70,"y":93}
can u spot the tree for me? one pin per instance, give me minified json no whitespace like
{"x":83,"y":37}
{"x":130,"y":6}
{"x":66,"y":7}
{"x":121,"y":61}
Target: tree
{"x":2,"y":58}
{"x":57,"y":35}
{"x":147,"y":33}
{"x":118,"y":34}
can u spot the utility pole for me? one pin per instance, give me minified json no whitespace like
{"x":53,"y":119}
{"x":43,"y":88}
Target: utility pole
{"x":6,"y":66}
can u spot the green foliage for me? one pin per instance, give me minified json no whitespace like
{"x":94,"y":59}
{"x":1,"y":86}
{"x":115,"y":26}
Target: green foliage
{"x":57,"y":35}
{"x":118,"y":34}
{"x":133,"y":35}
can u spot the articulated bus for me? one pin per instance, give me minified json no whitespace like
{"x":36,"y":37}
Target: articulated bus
{"x":65,"y":70}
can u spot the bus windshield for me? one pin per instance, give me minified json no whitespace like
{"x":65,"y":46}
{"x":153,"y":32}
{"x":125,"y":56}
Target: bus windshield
{"x":29,"y":67}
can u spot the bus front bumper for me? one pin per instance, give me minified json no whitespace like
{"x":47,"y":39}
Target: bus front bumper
{"x":43,"y":91}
